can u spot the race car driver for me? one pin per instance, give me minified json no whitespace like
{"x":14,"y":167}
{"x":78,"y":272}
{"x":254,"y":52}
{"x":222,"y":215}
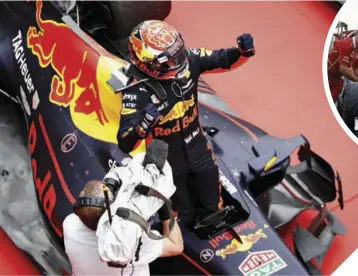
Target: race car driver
{"x":159,"y":51}
{"x":339,"y":62}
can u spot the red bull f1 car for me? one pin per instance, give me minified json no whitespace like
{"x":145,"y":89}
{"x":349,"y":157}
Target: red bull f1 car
{"x":63,"y":65}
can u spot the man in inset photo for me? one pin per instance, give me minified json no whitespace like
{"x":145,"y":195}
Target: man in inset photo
{"x":342,"y":65}
{"x":340,"y":57}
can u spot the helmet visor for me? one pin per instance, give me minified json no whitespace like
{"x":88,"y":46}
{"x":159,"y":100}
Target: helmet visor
{"x":172,"y":63}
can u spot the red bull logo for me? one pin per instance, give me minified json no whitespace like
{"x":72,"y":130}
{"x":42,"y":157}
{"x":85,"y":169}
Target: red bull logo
{"x":227,"y":236}
{"x":52,"y":45}
{"x":80,"y":79}
{"x":158,"y":35}
{"x":178,"y":111}
{"x":235,"y":246}
{"x":185,"y":122}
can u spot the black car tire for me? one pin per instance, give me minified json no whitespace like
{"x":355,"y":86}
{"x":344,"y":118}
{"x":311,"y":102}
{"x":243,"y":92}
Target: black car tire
{"x":128,"y":14}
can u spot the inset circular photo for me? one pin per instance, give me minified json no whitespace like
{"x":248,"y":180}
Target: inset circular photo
{"x":340,"y":68}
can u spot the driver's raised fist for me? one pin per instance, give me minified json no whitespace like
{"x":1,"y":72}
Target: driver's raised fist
{"x":245,"y":43}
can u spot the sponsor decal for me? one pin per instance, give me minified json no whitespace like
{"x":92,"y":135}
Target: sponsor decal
{"x":24,"y":101}
{"x":35,"y":100}
{"x":188,"y":139}
{"x":19,"y":54}
{"x":176,"y":47}
{"x":68,"y":142}
{"x":227,"y":183}
{"x":178,"y":110}
{"x":154,"y":99}
{"x":205,"y":52}
{"x":195,"y":132}
{"x":163,"y":59}
{"x":70,"y":69}
{"x":129,"y":97}
{"x":176,"y":88}
{"x":129,"y":105}
{"x":227,"y":236}
{"x":195,"y":51}
{"x":79,"y":82}
{"x":20,"y":57}
{"x":162,"y":106}
{"x":208,"y":52}
{"x":180,"y":91}
{"x":191,"y":136}
{"x":235,"y":246}
{"x":180,"y":124}
{"x":262,"y":263}
{"x":206,"y":255}
{"x":49,"y":173}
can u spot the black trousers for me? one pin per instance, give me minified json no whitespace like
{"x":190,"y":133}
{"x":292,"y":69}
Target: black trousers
{"x":196,"y":177}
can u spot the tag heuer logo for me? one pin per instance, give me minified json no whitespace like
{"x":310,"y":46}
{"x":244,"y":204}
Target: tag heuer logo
{"x":262,"y":263}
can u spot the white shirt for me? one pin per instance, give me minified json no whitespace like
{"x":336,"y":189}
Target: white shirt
{"x":82,"y":250}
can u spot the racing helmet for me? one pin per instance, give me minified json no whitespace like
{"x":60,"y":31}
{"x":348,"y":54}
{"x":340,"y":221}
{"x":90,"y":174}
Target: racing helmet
{"x":158,"y":50}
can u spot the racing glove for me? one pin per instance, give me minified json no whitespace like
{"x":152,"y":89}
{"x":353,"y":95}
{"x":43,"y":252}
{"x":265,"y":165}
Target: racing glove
{"x":246,"y":46}
{"x":151,"y":117}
